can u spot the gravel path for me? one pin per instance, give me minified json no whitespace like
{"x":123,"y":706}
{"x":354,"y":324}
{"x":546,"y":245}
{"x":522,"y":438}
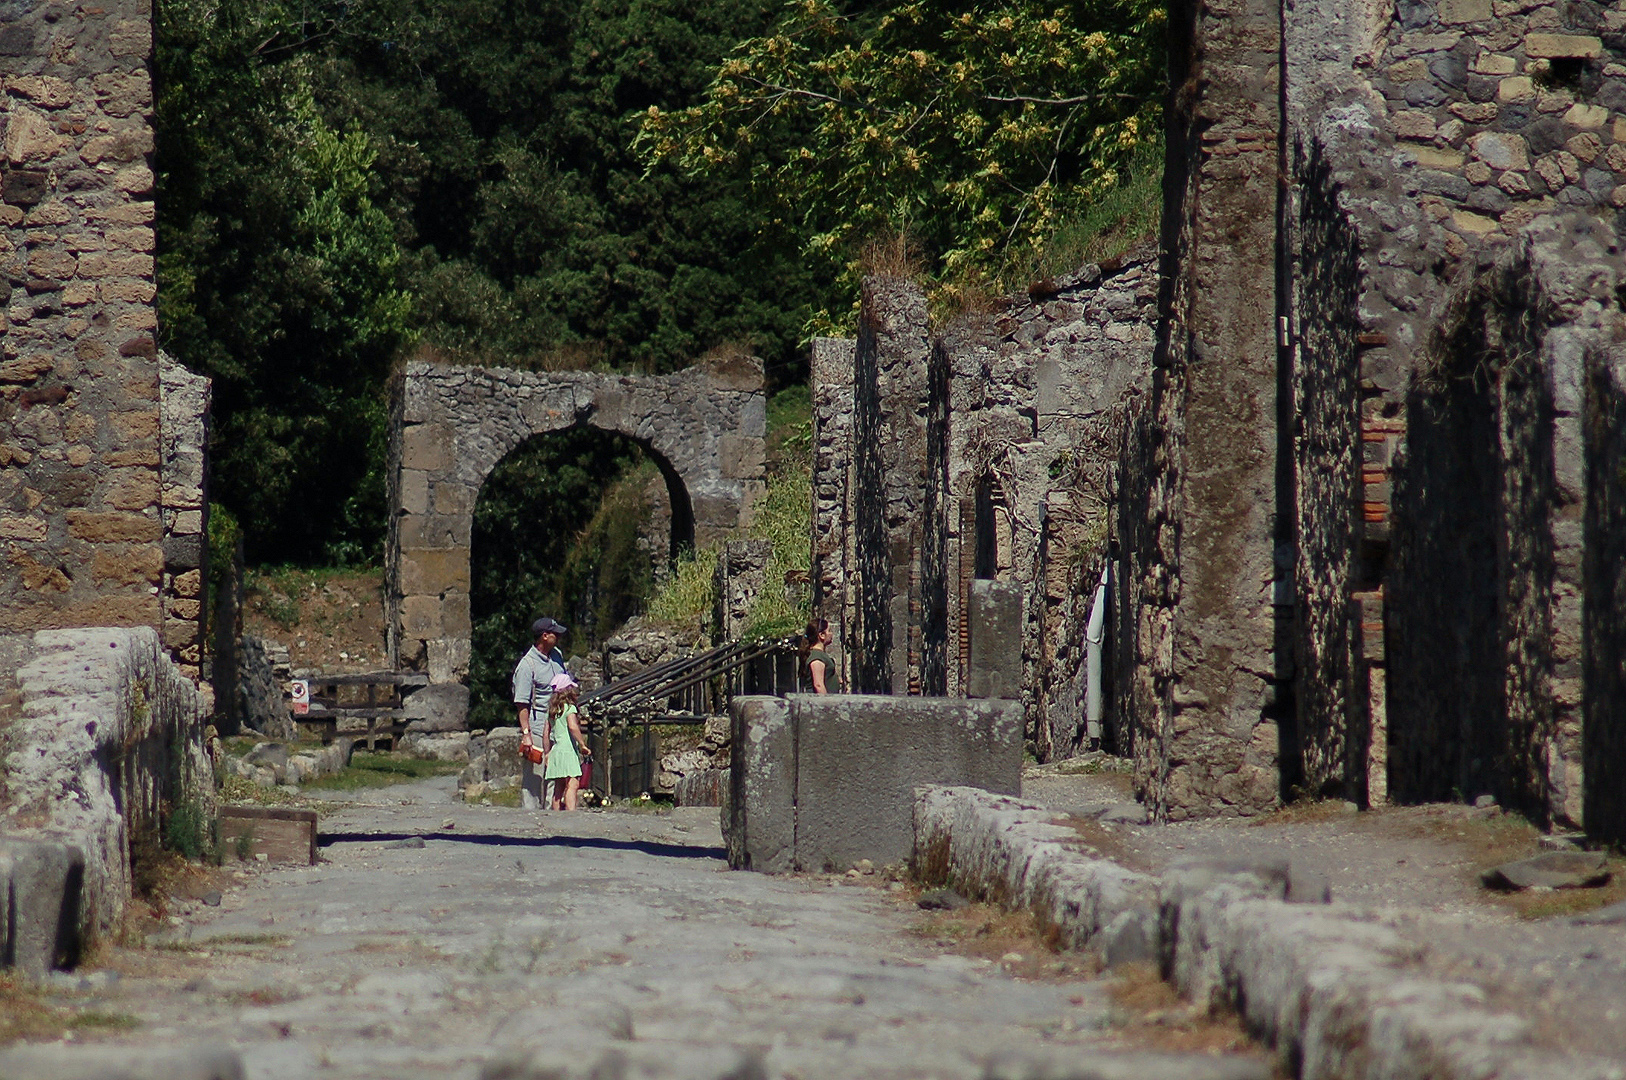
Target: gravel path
{"x":509,"y":930}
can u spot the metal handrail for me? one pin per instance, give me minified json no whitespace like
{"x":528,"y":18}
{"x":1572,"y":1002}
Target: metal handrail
{"x":652,"y":687}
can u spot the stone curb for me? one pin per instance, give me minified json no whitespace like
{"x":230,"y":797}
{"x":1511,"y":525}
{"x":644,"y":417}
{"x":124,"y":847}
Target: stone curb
{"x":59,"y":1062}
{"x":1339,"y":994}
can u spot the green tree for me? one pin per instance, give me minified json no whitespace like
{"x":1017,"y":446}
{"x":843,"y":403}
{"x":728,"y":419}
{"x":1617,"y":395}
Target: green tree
{"x":976,"y":129}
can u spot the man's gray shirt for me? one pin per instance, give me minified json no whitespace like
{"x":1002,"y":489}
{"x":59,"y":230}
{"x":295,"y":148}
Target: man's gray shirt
{"x":533,"y":681}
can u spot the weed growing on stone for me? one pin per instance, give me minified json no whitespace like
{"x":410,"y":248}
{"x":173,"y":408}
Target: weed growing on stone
{"x":28,"y":1015}
{"x":1149,"y":1014}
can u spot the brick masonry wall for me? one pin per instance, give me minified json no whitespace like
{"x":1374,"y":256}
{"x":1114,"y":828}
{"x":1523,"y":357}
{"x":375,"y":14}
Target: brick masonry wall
{"x":80,"y":495}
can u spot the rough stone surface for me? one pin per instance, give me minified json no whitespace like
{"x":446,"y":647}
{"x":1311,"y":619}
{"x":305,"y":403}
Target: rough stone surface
{"x":452,"y":425}
{"x":42,"y":904}
{"x":759,"y":813}
{"x":478,"y":950}
{"x":1552,"y":870}
{"x":1023,"y":855}
{"x":860,"y":757}
{"x":1338,"y":991}
{"x":100,"y":455}
{"x":995,"y":616}
{"x":105,"y":741}
{"x":120,"y":1063}
{"x":263,"y":673}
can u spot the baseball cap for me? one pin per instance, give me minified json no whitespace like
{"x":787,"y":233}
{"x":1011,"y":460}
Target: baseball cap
{"x":562,"y":681}
{"x":545,"y":625}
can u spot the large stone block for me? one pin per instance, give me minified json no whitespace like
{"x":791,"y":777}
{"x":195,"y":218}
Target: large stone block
{"x":859,"y":759}
{"x":439,"y":707}
{"x":432,"y":571}
{"x":759,"y":815}
{"x":427,"y":447}
{"x":41,"y":905}
{"x":995,"y":669}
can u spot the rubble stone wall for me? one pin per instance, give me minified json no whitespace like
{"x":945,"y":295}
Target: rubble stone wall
{"x":80,"y":498}
{"x":1492,"y":484}
{"x":704,"y":427}
{"x":987,"y":450}
{"x":184,"y":505}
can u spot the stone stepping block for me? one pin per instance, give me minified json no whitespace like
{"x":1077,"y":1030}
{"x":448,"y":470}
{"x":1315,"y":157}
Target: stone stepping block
{"x":1551,"y":870}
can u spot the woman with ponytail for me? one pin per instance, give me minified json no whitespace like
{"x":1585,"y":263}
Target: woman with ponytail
{"x":819,"y":665}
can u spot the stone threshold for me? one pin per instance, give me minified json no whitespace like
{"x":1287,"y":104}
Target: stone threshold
{"x":1336,"y":992}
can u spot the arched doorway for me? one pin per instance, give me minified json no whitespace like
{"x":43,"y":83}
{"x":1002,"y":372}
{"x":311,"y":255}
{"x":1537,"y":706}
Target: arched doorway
{"x":703,"y":427}
{"x":580,"y":525}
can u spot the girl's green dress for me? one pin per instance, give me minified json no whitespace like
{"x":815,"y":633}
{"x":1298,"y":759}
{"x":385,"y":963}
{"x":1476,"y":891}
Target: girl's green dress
{"x":563,"y":760}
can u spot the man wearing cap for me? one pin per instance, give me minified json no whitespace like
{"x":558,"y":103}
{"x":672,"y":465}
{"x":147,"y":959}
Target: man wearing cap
{"x":534,"y":675}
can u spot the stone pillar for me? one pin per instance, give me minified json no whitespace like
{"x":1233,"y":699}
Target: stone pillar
{"x":80,"y":527}
{"x":1603,"y":662}
{"x":184,"y":435}
{"x":740,"y":577}
{"x":889,"y":448}
{"x":1207,"y":739}
{"x":830,"y":368}
{"x":995,"y":618}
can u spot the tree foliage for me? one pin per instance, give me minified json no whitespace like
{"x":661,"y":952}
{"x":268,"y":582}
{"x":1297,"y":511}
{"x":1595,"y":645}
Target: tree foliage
{"x":338,"y":180}
{"x":976,"y":129}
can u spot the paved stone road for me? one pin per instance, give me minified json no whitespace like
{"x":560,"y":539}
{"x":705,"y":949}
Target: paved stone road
{"x":567,"y":935}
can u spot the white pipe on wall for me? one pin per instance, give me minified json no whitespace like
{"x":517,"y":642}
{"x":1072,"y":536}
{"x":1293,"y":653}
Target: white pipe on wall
{"x":1094,"y":634}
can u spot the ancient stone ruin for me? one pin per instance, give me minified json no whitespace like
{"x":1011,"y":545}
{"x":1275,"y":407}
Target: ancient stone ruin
{"x":1350,"y":459}
{"x":703,"y":426}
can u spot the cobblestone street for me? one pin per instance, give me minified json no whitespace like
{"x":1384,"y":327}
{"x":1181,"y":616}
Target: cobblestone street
{"x":509,"y":935}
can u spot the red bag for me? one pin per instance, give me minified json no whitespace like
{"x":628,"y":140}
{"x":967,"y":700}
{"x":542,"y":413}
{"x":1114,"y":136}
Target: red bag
{"x":587,"y":773}
{"x":532,"y":753}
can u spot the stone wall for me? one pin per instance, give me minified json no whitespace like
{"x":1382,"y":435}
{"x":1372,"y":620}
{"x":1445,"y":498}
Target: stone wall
{"x":703,"y":426}
{"x":1206,"y":578}
{"x":101,"y":741}
{"x":79,"y":421}
{"x":985,"y":450}
{"x":1379,"y":595}
{"x":184,"y":506}
{"x":1486,"y":620}
{"x":102,"y":445}
{"x":1603,"y":584}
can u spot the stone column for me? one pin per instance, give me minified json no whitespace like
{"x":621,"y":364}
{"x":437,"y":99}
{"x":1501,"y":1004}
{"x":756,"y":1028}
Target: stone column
{"x":1208,"y":739}
{"x":831,"y":379}
{"x":889,"y":448}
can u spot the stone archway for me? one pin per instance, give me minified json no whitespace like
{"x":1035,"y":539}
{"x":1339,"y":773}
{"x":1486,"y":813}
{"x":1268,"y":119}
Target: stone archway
{"x":704,"y":426}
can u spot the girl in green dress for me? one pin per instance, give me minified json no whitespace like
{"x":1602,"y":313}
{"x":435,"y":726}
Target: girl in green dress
{"x":563,"y":744}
